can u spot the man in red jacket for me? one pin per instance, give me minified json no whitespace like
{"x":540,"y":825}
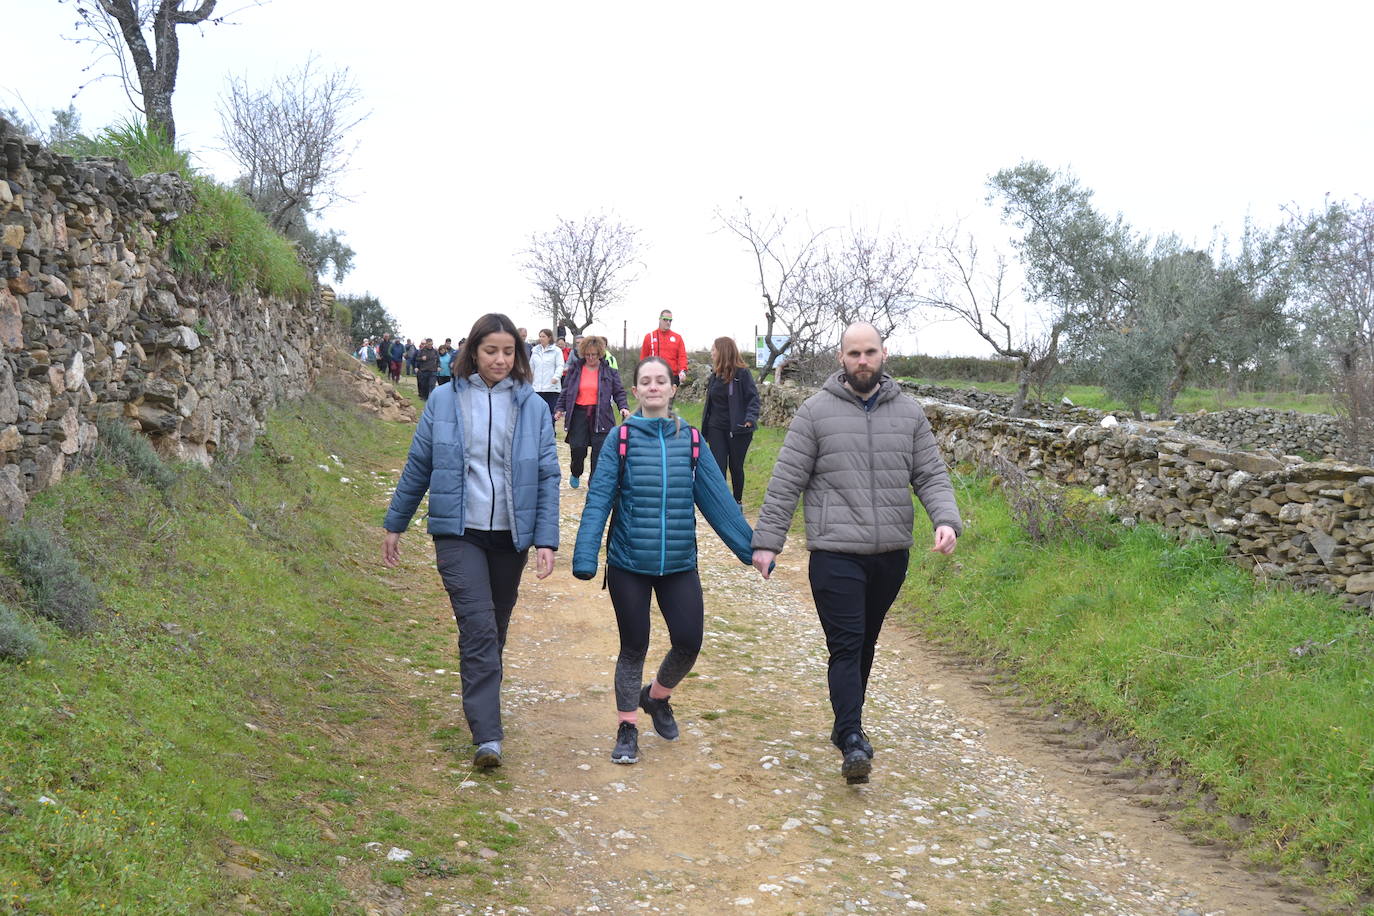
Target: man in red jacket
{"x":663,"y":342}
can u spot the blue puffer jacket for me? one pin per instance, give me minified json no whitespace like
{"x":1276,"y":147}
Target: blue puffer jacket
{"x":437,"y":463}
{"x":655,"y":530}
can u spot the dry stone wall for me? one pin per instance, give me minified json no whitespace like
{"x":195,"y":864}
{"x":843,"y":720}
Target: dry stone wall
{"x":1308,"y":523}
{"x":95,"y":323}
{"x":1284,"y":432}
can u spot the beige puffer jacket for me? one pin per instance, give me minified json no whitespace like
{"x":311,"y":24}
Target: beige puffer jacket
{"x":857,"y":469}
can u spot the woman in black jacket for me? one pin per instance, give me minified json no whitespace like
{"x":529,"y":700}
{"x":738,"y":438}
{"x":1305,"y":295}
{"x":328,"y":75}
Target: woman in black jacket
{"x":731,"y":411}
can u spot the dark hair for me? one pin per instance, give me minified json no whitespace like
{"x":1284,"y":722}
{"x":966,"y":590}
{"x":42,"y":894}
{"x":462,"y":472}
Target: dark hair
{"x":727,"y":359}
{"x":546,"y":331}
{"x":492,"y":323}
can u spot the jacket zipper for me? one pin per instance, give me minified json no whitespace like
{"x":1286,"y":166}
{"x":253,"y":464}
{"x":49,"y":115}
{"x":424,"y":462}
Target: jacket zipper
{"x":491,"y":481}
{"x":663,"y":503}
{"x":872,"y":484}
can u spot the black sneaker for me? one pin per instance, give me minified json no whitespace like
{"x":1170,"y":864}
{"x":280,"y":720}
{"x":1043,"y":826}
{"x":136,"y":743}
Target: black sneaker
{"x":626,"y":744}
{"x":858,"y":759}
{"x":662,"y":714}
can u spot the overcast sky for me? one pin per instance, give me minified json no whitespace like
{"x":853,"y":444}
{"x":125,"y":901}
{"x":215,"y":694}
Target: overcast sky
{"x":490,"y":120}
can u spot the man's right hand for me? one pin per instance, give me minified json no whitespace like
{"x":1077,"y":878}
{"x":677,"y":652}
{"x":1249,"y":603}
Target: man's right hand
{"x":764,"y":561}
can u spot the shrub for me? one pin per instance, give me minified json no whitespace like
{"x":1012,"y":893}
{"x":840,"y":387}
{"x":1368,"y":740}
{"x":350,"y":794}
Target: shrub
{"x":18,"y":641}
{"x":57,"y":587}
{"x":135,"y":453}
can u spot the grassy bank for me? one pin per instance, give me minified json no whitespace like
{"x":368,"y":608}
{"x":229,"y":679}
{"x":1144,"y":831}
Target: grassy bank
{"x":224,"y":734}
{"x":1261,"y":695}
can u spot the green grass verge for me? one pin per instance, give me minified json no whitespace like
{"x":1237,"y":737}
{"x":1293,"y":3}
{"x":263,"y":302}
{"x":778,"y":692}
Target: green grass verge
{"x":235,"y":668}
{"x":1190,"y":400}
{"x":1176,"y":647}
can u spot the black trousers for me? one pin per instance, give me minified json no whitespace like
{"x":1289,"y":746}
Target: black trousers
{"x":729,"y":451}
{"x":550,"y":398}
{"x":481,"y":572}
{"x":424,"y":382}
{"x":853,"y":593}
{"x":682,"y":605}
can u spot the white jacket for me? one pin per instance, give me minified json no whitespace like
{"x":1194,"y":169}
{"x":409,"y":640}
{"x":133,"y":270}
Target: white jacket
{"x":547,"y":365}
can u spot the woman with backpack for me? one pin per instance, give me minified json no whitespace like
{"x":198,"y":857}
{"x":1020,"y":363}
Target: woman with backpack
{"x":650,"y":483}
{"x":592,"y":393}
{"x":484,"y":450}
{"x":730,"y":411}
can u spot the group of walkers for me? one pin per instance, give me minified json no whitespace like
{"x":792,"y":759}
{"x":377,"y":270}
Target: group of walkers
{"x":484,"y":451}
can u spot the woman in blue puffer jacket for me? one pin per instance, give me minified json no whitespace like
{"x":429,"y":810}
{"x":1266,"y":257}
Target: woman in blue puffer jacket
{"x":655,"y":485}
{"x":484,"y":450}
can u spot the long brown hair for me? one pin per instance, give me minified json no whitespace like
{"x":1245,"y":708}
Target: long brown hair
{"x":727,"y":359}
{"x":465,"y":363}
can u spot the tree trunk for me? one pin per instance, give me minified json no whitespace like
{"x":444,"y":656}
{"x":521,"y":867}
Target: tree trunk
{"x":1023,"y":383}
{"x":1171,"y":390}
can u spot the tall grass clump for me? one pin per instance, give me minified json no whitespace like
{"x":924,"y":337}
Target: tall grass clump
{"x":121,"y":445}
{"x":224,"y":239}
{"x":57,"y":587}
{"x":146,"y":152}
{"x":18,"y":641}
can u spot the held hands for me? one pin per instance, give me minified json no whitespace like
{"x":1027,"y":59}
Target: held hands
{"x":764,"y":561}
{"x":543,"y":562}
{"x":945,"y":540}
{"x":391,"y":548}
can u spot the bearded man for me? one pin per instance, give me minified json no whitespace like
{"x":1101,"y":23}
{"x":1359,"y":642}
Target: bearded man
{"x":856,"y":450}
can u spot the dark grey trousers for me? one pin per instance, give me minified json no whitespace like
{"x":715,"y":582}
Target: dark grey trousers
{"x":481,"y":571}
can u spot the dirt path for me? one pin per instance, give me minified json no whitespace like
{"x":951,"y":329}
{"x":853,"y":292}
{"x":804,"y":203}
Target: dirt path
{"x":969,"y":810}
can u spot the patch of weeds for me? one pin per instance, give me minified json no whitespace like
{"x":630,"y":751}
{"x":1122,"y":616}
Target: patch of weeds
{"x":393,"y":875}
{"x":18,"y":641}
{"x":57,"y":587}
{"x":1045,"y":512}
{"x":436,"y":867}
{"x":122,"y":446}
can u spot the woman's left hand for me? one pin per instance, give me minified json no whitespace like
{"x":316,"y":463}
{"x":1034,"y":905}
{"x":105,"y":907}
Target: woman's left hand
{"x":543,"y":562}
{"x":624,"y":412}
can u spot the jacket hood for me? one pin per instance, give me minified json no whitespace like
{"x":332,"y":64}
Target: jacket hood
{"x":887,"y":388}
{"x":653,"y":424}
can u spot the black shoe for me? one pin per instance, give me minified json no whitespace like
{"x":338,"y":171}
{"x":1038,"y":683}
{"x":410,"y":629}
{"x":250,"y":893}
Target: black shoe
{"x":662,"y":714}
{"x":858,"y":759}
{"x":626,"y":744}
{"x":486,"y":757}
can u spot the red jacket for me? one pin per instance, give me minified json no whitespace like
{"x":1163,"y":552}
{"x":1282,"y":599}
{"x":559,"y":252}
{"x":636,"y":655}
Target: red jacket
{"x":667,"y":345}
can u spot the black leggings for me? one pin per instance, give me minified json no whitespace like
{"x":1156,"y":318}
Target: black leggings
{"x":680,"y":601}
{"x":729,"y":452}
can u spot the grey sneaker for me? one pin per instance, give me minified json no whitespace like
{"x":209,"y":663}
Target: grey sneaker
{"x":488,"y":755}
{"x":626,"y":744}
{"x":661,"y":711}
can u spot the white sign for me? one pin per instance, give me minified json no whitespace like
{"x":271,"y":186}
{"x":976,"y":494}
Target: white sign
{"x":780,"y":342}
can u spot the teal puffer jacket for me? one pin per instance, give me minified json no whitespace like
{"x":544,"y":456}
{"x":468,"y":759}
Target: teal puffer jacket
{"x":655,"y":529}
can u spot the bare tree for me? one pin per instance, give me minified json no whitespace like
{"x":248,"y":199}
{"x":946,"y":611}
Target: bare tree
{"x":866,"y":277}
{"x":292,"y":140}
{"x":961,"y":283}
{"x":786,"y":264}
{"x":124,"y":30}
{"x":581,"y":266}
